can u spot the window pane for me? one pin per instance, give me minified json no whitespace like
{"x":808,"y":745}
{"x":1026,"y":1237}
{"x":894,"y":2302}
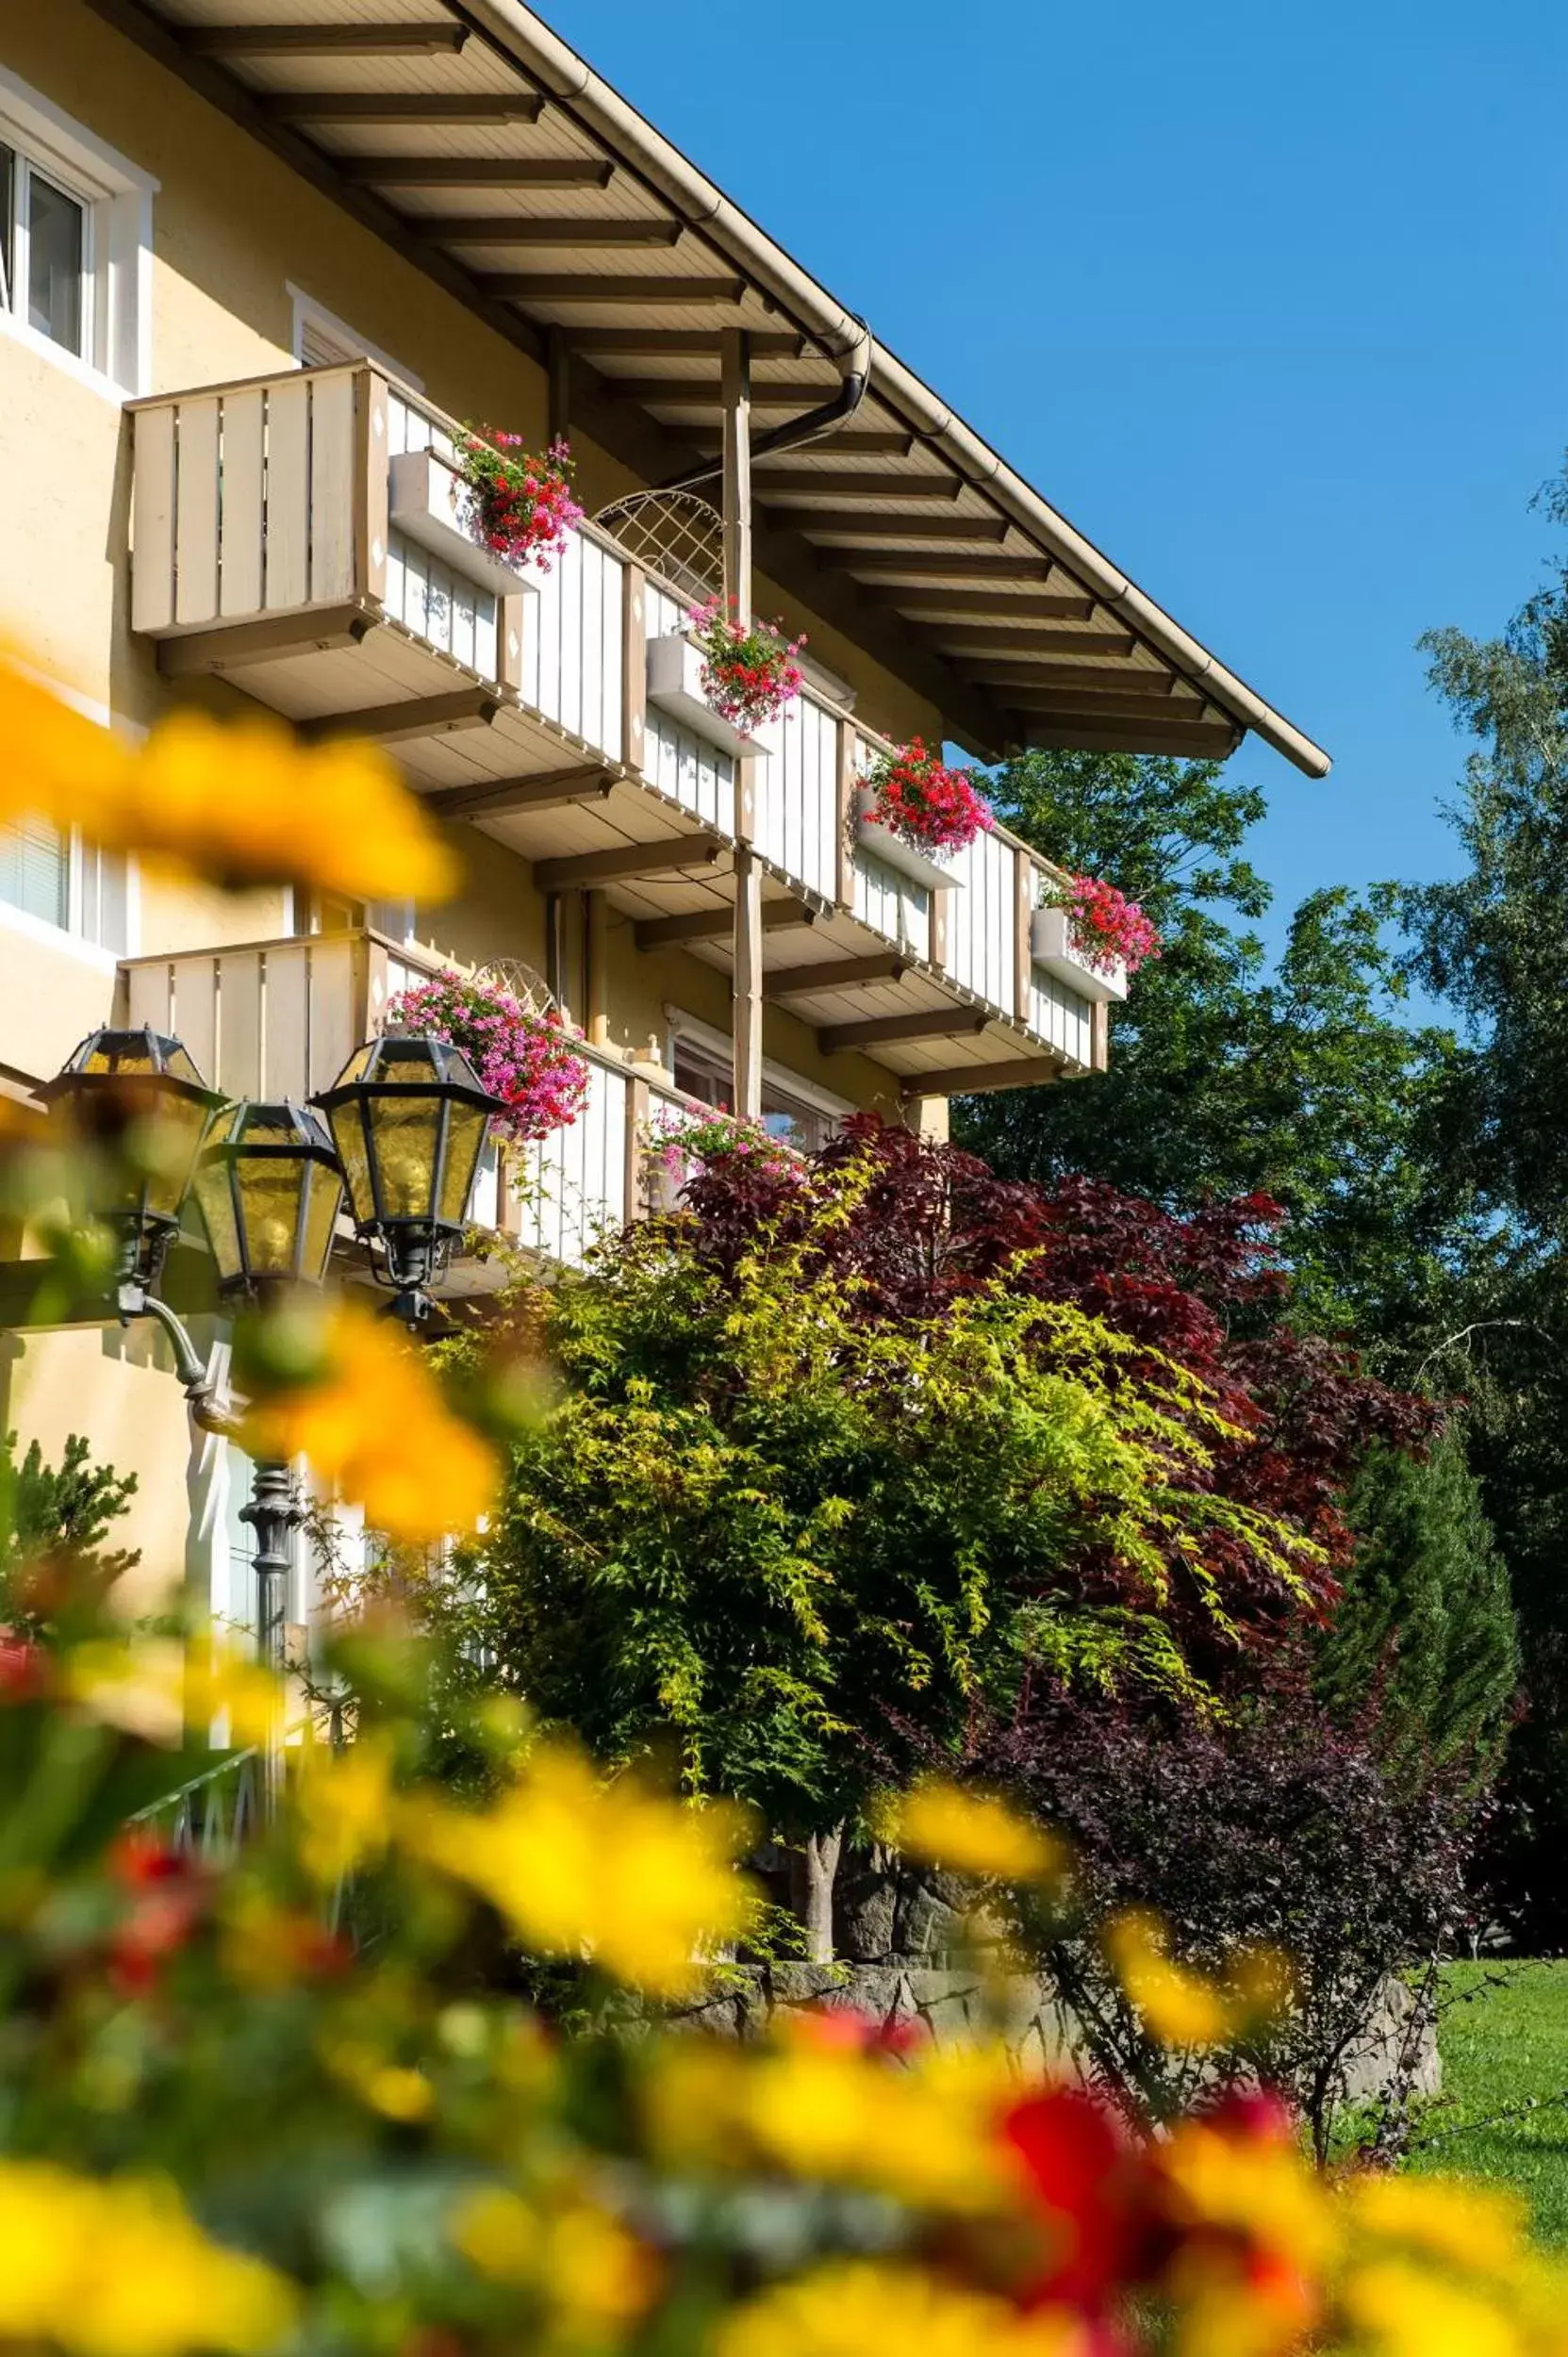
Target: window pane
{"x":34,"y":870}
{"x":56,"y":227}
{"x":8,"y":225}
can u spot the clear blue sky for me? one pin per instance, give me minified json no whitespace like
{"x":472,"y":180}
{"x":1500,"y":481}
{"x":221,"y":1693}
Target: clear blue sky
{"x":1272,"y":303}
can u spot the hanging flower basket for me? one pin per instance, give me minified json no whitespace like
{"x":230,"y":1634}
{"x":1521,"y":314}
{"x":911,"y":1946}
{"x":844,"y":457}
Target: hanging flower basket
{"x":914,"y":799}
{"x":519,"y":508}
{"x":1091,"y":937}
{"x":523,"y":1058}
{"x":749,"y":676}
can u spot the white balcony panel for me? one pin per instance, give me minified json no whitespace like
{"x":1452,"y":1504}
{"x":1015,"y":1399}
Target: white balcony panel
{"x":574,"y":1180}
{"x":429,"y":598}
{"x":895,"y":905}
{"x":1060,"y":1016}
{"x":798,"y":799}
{"x":574,"y":621}
{"x":983,"y":919}
{"x":692,"y":771}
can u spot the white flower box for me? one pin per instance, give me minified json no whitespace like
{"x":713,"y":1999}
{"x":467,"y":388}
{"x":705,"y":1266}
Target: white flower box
{"x":675,"y":684}
{"x":429,"y":501}
{"x":1054,"y":946}
{"x":892,"y":851}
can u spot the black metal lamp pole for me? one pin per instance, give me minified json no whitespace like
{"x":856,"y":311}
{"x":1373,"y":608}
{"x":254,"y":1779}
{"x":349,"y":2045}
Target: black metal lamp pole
{"x":274,"y":1515}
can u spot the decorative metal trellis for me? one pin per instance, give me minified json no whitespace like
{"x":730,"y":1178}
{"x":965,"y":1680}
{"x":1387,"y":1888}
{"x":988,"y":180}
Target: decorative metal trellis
{"x":675,"y":533}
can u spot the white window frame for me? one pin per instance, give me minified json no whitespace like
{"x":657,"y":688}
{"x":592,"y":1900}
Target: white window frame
{"x":118,"y":196}
{"x":719,"y":1047}
{"x":309,"y":313}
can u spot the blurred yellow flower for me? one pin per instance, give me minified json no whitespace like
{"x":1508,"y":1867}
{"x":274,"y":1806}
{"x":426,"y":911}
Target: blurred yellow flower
{"x":244,"y":801}
{"x":1479,"y":2227}
{"x":578,"y":1866}
{"x":1261,"y":2189}
{"x":593,"y":2272}
{"x":342,"y":1800}
{"x":156,"y":1687}
{"x":972,"y":1833}
{"x":922,"y":2126}
{"x":393,"y":2089}
{"x":859,"y":2305}
{"x":1181,"y":2007}
{"x":1397,"y":2309}
{"x":372,"y":1418}
{"x":118,"y":2269}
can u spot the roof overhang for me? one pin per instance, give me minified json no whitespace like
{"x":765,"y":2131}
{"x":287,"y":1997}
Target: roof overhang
{"x":474,"y":140}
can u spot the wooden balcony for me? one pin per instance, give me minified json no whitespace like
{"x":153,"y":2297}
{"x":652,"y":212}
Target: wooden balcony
{"x":267,"y":550}
{"x":277,"y":1019}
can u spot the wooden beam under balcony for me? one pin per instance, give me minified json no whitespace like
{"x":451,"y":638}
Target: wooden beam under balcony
{"x":368,"y":107}
{"x":272,"y":640}
{"x":1152,"y":686}
{"x":542,"y":229}
{"x":975,"y":641}
{"x":904,"y":527}
{"x":549,"y":789}
{"x":1068,"y":705}
{"x":1198,"y":741}
{"x":702,"y":392}
{"x":797,"y":981}
{"x":965,"y":1080}
{"x":785,"y":487}
{"x":856,"y":441}
{"x":441,"y":36}
{"x":893,"y":1030}
{"x":675,"y":933}
{"x":627,"y":860}
{"x":402,"y":723}
{"x":884,"y":565}
{"x":682,"y":343}
{"x":476,"y":172}
{"x":967,"y":606}
{"x":571,"y":285}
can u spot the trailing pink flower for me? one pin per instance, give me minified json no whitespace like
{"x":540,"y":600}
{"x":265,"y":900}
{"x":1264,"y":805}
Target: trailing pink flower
{"x":520,"y":509}
{"x":750,"y":676}
{"x":1109,"y":928}
{"x":523,"y":1058}
{"x":681,"y":1142}
{"x":926,"y":803}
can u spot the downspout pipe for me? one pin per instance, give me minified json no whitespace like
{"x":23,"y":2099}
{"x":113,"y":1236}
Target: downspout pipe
{"x":811,"y":426}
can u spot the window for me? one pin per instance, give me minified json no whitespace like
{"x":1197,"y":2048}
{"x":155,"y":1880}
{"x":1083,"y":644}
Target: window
{"x":35,"y":870}
{"x":75,"y":241}
{"x":44,"y":251}
{"x":322,"y":341}
{"x":59,"y":879}
{"x":792,"y":1110}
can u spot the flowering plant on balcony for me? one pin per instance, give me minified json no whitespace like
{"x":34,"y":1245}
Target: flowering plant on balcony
{"x":523,"y":1058}
{"x":678,"y":1141}
{"x":520,"y":508}
{"x":1109,"y":928}
{"x":750,"y":674}
{"x":929,"y":805}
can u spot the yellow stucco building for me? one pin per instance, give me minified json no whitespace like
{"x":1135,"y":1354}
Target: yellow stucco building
{"x":259,"y":260}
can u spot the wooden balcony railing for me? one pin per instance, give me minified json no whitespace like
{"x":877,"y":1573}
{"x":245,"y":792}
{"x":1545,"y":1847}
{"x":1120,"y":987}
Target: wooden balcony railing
{"x":262,"y":514}
{"x":276,"y":1019}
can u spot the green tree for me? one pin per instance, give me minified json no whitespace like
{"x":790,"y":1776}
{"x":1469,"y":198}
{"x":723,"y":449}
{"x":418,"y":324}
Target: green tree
{"x":1227,"y":1078}
{"x":61,"y":1512}
{"x":1426,"y":1618}
{"x":797,"y":1547}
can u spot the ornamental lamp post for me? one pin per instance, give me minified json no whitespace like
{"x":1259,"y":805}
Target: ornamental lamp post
{"x":137,"y":1102}
{"x":269,"y":1188}
{"x":409,"y":1118}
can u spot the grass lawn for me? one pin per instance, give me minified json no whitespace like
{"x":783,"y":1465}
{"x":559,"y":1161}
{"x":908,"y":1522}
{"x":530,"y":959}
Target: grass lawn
{"x":1501,"y":2047}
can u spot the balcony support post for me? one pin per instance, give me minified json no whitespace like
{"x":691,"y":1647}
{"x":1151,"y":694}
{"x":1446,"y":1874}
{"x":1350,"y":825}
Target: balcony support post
{"x":736,"y":388}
